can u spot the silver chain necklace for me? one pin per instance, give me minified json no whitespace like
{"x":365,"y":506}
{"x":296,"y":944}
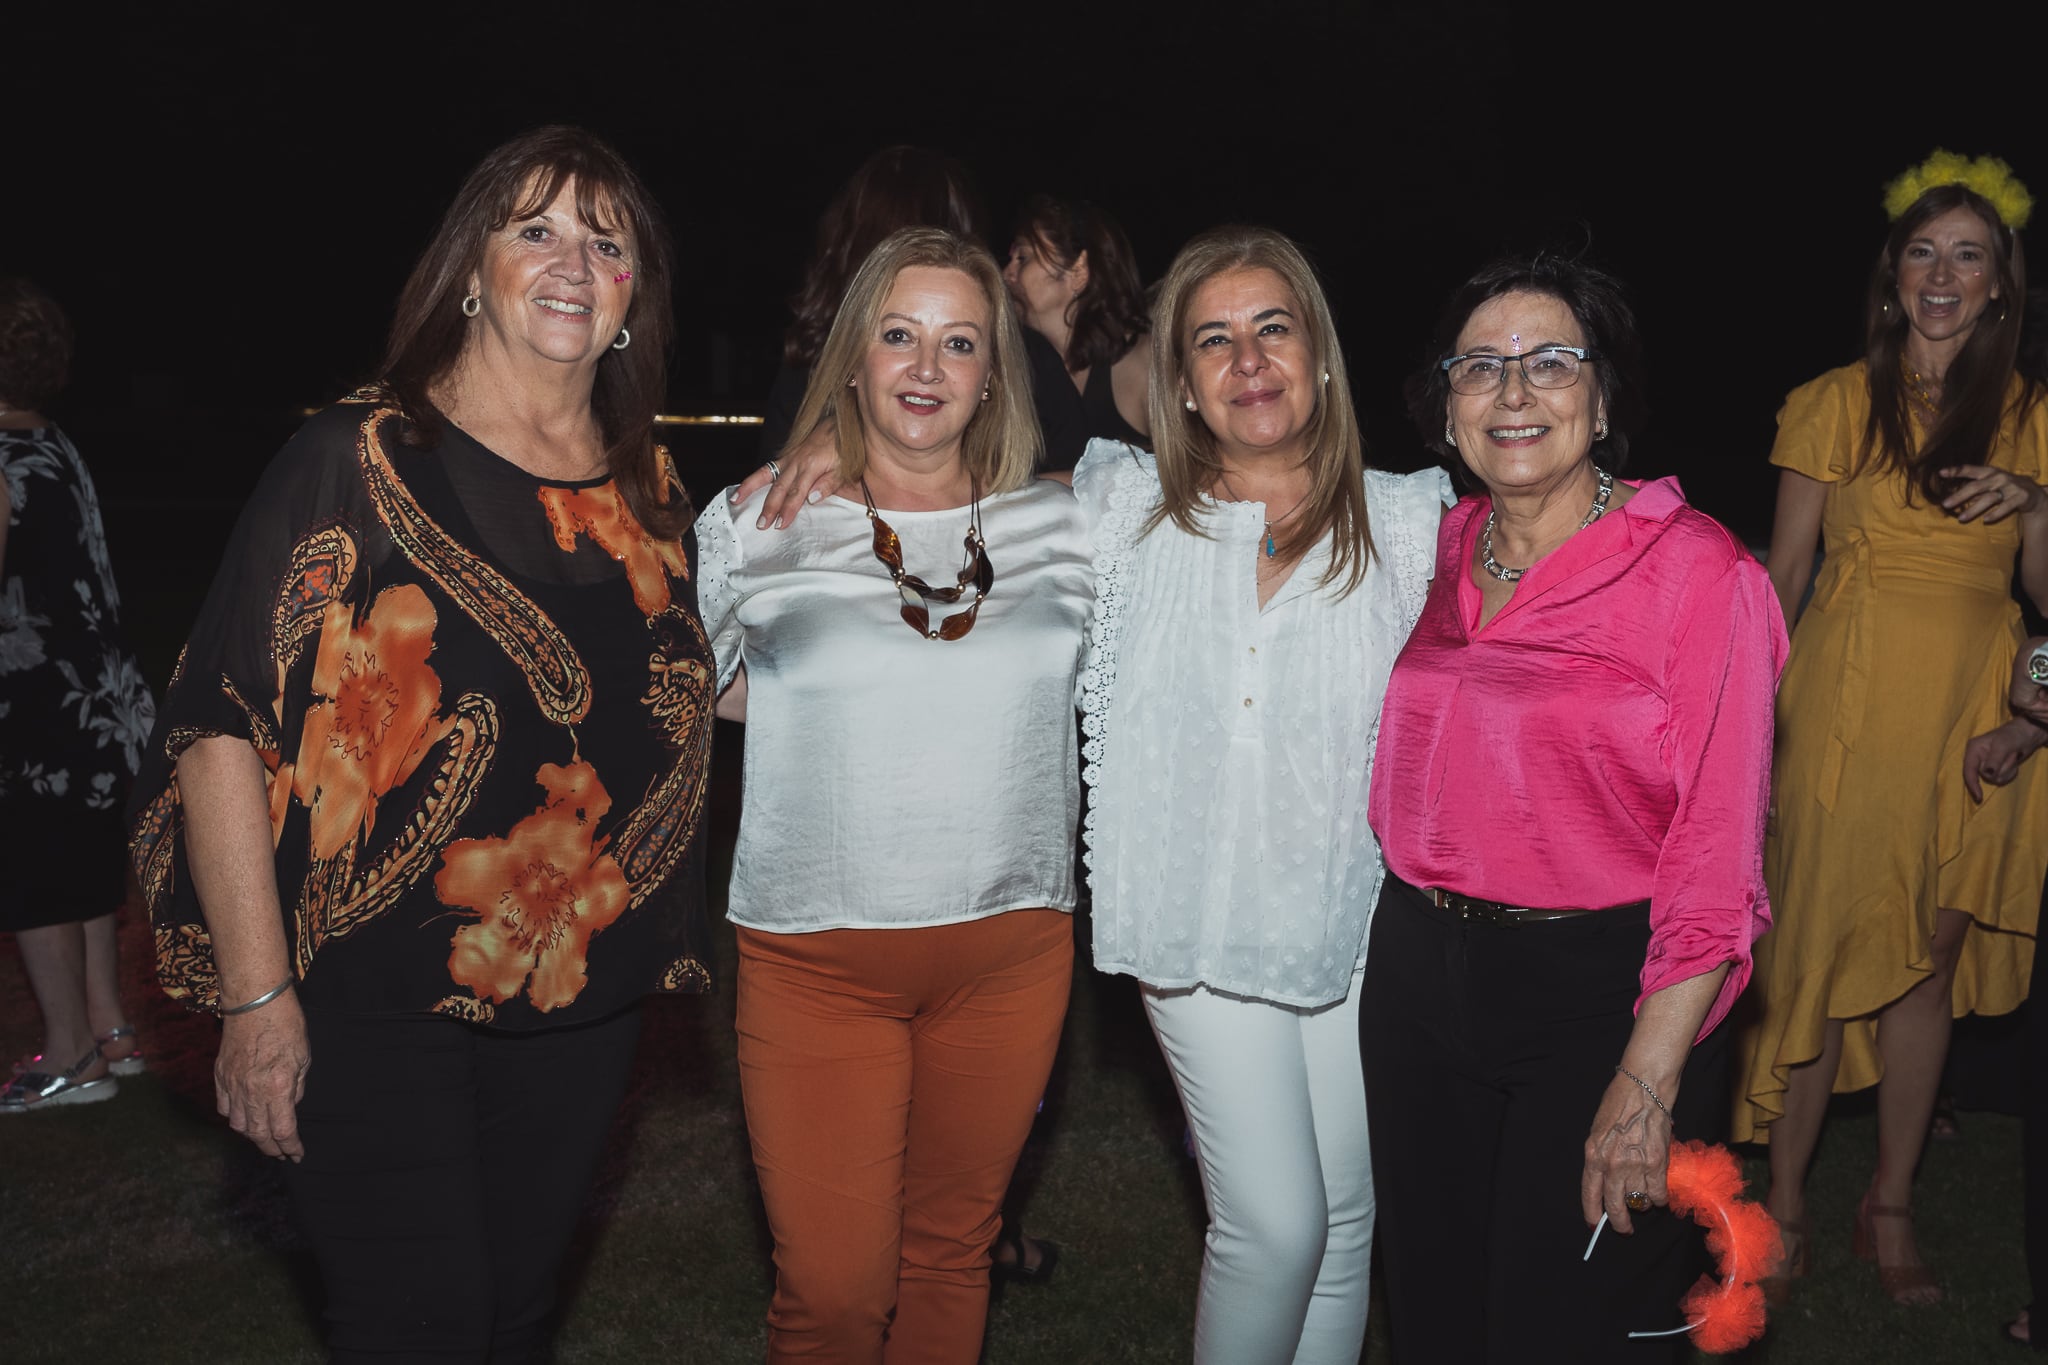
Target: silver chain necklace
{"x":1507,"y":575}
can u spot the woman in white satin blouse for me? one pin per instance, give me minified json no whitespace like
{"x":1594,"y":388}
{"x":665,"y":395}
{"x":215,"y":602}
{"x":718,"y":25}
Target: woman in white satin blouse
{"x":904,"y":871}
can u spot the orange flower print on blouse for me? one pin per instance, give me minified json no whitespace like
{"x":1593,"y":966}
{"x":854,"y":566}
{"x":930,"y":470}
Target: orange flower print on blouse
{"x":375,"y":715}
{"x":541,"y":894}
{"x":602,"y":514}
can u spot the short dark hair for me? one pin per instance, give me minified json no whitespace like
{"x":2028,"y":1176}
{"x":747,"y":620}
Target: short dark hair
{"x":519,"y":178}
{"x":1600,"y":306}
{"x":896,"y":188}
{"x":1110,"y":314}
{"x":35,"y":345}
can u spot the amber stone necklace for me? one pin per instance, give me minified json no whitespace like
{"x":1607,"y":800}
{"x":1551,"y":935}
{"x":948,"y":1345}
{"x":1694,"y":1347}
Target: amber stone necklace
{"x":918,"y":595}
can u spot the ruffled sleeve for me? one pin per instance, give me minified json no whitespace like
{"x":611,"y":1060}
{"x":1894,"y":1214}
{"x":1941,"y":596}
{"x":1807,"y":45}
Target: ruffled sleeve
{"x":1708,"y":903}
{"x":1406,"y":510}
{"x":1117,"y":486}
{"x":1821,"y":425}
{"x":718,"y":559}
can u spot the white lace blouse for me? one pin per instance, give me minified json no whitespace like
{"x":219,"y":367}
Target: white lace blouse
{"x":1229,"y":748}
{"x":891,"y":780}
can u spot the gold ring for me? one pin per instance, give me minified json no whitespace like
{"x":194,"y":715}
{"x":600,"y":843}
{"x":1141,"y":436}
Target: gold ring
{"x":1637,"y":1201}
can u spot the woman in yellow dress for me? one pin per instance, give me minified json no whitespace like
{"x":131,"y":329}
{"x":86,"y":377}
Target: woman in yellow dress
{"x":1901,"y":901}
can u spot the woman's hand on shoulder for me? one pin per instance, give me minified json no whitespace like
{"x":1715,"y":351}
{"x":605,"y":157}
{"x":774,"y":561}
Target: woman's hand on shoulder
{"x":260,"y":1075}
{"x":1991,"y":495}
{"x":801,"y":474}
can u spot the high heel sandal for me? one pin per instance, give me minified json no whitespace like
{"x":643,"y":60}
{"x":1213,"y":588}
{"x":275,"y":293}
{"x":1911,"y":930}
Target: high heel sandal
{"x":1019,"y":1268}
{"x":31,"y":1089}
{"x":1912,"y":1286}
{"x":129,"y":1063}
{"x":1778,"y":1287}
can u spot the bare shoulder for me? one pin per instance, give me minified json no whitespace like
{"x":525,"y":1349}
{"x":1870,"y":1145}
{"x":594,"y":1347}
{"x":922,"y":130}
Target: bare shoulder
{"x":1130,"y":381}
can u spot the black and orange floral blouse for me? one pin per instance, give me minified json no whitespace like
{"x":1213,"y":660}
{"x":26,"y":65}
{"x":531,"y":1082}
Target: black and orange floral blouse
{"x":483,"y":701}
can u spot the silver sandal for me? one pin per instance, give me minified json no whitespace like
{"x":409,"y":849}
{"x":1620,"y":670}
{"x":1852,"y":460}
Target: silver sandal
{"x":31,"y":1090}
{"x":129,"y":1063}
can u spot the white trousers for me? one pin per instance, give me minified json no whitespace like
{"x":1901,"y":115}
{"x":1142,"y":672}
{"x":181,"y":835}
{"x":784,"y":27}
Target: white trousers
{"x":1275,"y":1097}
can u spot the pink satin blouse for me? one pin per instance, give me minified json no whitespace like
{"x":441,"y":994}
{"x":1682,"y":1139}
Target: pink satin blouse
{"x":1604,"y":739}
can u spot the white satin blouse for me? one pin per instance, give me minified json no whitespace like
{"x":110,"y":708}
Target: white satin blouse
{"x":1229,"y":747}
{"x":893,"y":780}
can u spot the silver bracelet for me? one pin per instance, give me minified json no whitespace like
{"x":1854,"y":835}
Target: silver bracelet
{"x":1624,"y":1071}
{"x":279,"y":989}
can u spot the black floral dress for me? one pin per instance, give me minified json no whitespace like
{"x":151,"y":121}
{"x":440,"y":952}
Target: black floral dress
{"x":483,"y":702}
{"x":74,"y":711}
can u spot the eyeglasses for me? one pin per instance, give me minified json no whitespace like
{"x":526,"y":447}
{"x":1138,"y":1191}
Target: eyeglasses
{"x":1547,"y":367}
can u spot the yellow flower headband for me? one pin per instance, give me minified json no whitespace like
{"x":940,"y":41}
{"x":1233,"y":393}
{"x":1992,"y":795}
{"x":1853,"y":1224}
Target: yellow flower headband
{"x":1987,"y":175}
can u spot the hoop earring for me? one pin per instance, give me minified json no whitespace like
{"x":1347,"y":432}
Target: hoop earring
{"x":1600,"y":430}
{"x":625,"y":340}
{"x":472,"y":304}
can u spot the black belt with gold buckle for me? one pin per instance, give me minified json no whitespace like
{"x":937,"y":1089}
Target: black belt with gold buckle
{"x":1494,"y":912}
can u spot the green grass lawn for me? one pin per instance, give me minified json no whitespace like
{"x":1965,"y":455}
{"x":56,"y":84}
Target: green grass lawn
{"x":141,"y":1230}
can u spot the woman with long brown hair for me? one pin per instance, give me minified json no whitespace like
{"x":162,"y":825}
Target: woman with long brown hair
{"x":1087,"y":326}
{"x":421,"y":817}
{"x":1901,"y":900}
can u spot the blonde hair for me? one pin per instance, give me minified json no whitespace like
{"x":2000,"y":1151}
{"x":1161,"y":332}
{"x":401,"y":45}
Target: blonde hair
{"x":1000,"y":447}
{"x":1188,"y":464}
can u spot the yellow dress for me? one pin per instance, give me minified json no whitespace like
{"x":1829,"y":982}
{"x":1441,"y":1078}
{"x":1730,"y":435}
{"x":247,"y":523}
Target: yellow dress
{"x":1904,"y":653}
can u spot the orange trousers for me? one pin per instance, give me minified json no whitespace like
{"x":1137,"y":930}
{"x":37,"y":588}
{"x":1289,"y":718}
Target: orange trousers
{"x":890,"y":1077}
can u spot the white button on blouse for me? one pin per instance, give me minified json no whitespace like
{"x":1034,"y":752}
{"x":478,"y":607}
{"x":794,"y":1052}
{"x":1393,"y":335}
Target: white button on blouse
{"x":1229,"y":748}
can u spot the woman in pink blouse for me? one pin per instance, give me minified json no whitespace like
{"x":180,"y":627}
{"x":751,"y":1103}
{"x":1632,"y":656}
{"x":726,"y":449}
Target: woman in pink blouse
{"x":1569,"y":790}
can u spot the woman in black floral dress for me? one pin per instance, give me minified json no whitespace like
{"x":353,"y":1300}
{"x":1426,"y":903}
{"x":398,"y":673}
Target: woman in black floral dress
{"x":422,"y":817}
{"x":73,"y":717}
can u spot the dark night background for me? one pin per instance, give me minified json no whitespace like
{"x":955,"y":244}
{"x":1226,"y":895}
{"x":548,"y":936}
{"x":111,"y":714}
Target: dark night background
{"x":227,"y":199}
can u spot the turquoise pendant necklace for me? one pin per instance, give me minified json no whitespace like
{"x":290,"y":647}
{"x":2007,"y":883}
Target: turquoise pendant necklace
{"x":1271,"y":548}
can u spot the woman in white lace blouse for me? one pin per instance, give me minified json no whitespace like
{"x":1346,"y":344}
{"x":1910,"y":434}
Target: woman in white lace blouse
{"x":1254,"y":584}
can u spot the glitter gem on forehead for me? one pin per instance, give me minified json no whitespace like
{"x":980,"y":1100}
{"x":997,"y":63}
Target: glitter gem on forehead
{"x":1515,"y":340}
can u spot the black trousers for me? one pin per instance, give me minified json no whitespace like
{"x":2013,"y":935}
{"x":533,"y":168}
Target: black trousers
{"x":1487,"y":1049}
{"x":445,"y":1168}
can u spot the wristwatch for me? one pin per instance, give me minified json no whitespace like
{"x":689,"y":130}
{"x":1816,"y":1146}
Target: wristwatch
{"x":2037,"y":665}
